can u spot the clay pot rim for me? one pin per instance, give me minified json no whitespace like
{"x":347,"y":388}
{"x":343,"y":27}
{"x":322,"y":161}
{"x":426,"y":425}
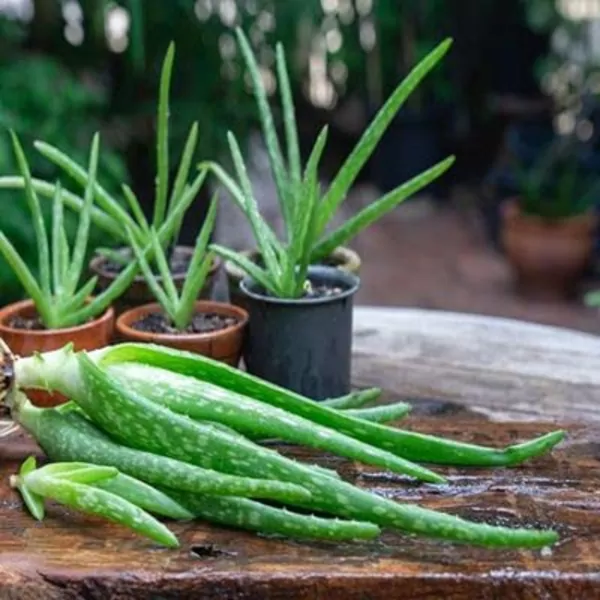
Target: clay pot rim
{"x":96,"y":265}
{"x":351,"y":261}
{"x":223,"y":308}
{"x":511,"y":209}
{"x":15,"y":308}
{"x":349,"y":281}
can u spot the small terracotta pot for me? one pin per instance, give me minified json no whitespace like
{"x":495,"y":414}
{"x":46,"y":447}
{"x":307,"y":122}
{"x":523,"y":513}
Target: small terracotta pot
{"x":23,"y":342}
{"x":342,"y":258}
{"x":224,"y":345}
{"x":138,"y":293}
{"x":548,"y":257}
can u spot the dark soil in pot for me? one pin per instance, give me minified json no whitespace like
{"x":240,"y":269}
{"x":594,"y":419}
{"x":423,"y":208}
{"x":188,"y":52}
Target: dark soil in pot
{"x":179,"y":263}
{"x":217,"y":330}
{"x":201,"y":323}
{"x":30,"y":323}
{"x":138,"y":293}
{"x":303,"y":344}
{"x":33,"y":323}
{"x":342,"y":258}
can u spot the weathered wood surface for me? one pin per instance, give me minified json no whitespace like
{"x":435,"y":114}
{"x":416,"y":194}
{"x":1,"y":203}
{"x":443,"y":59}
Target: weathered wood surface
{"x":71,"y":556}
{"x":505,"y":369}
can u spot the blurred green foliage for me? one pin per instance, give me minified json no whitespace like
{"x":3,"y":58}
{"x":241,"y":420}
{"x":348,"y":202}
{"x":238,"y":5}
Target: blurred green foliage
{"x":41,"y":99}
{"x":570,"y":70}
{"x":406,"y":32}
{"x":557,"y":186}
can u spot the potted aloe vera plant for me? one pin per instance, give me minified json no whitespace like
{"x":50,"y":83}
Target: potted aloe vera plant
{"x":178,"y":319}
{"x":300,"y":329}
{"x":118,"y":217}
{"x":326,"y":250}
{"x":59,"y":309}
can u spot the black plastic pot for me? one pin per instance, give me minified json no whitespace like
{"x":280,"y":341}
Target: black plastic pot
{"x":303,"y":345}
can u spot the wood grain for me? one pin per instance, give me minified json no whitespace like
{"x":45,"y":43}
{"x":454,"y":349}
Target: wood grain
{"x":505,"y":369}
{"x":71,"y":556}
{"x":458,"y":370}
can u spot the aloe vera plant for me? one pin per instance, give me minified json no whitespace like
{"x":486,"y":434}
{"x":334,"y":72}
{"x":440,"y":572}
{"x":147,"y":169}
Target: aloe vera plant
{"x":178,"y":306}
{"x":305,"y":209}
{"x":109,"y":214}
{"x":58,"y":295}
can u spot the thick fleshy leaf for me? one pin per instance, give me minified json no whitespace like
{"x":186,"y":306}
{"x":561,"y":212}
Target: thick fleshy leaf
{"x":136,"y":211}
{"x":377,"y":209}
{"x":268,"y":125}
{"x":251,"y":269}
{"x":105,"y":201}
{"x":289,"y":121}
{"x":100,"y":218}
{"x":162,"y":147}
{"x":39,"y":227}
{"x":252,"y":211}
{"x":58,"y":260}
{"x":184,"y":165}
{"x":83,"y":229}
{"x":371,"y":137}
{"x":27,"y":280}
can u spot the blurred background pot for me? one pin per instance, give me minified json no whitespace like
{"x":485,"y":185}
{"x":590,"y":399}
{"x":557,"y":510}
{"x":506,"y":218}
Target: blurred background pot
{"x":548,"y":257}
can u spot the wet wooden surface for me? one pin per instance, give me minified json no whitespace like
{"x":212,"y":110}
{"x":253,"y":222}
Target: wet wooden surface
{"x":71,"y":556}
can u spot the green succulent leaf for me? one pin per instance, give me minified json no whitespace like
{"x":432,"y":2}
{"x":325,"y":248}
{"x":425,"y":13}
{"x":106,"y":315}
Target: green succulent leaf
{"x":371,"y":137}
{"x":377,"y":209}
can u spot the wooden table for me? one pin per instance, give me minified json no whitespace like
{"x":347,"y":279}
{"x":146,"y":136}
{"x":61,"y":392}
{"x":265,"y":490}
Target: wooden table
{"x":464,"y":375}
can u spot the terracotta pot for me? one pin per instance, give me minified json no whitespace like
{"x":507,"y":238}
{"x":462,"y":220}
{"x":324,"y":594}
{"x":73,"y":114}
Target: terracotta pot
{"x":548,"y":257}
{"x":23,"y":342}
{"x":343,"y":258}
{"x":138,"y":293}
{"x":224,"y":345}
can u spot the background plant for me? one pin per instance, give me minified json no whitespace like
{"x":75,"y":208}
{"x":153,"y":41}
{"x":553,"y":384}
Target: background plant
{"x":59,"y":298}
{"x":179,"y":307}
{"x":568,"y":74}
{"x":305,"y":211}
{"x":556,"y":186}
{"x":406,"y":32}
